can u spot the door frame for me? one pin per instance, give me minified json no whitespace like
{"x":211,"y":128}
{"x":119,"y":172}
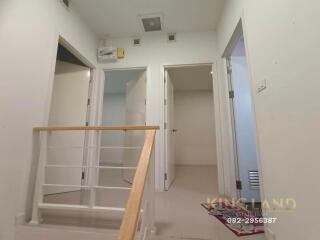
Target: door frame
{"x":100,"y":95}
{"x":240,"y":31}
{"x":93,"y":74}
{"x":101,"y":88}
{"x":87,"y":135}
{"x":167,"y":182}
{"x":233,"y":126}
{"x":163,"y":68}
{"x":53,"y":45}
{"x":59,"y":39}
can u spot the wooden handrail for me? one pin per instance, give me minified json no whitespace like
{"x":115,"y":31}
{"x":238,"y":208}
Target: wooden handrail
{"x":93,"y":128}
{"x":132,"y":211}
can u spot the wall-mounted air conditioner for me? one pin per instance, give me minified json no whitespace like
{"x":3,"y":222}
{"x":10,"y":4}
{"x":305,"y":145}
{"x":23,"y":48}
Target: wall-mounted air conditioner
{"x":107,"y":54}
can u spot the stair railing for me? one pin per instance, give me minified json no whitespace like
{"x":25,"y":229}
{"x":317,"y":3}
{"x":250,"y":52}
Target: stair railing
{"x":141,"y":196}
{"x":138,"y":218}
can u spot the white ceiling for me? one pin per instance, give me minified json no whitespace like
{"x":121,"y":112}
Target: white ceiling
{"x":119,"y":18}
{"x":191,"y":78}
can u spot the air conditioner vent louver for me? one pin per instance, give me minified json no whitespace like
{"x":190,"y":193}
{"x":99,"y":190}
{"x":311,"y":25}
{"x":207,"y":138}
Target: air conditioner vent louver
{"x":151,"y":24}
{"x":254,"y":180}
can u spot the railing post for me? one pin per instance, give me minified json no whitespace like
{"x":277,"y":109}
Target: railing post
{"x":94,"y":171}
{"x":147,"y":216}
{"x":140,"y":195}
{"x":85,"y":170}
{"x":152,"y":191}
{"x":149,"y":207}
{"x":144,"y":230}
{"x":38,"y":193}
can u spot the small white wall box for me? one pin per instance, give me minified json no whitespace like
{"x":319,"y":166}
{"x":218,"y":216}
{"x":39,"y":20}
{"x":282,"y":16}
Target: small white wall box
{"x":107,"y":54}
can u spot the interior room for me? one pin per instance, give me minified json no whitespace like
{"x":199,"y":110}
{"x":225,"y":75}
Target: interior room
{"x":69,"y":107}
{"x":86,"y":156}
{"x":193,"y":152}
{"x":124,"y":103}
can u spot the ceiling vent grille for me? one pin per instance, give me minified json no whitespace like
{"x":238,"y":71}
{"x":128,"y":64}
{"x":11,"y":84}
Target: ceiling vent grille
{"x":254,"y":180}
{"x":151,"y":24}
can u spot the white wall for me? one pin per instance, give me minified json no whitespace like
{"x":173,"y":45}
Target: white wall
{"x":283,"y":48}
{"x":154,"y":53}
{"x":114,"y":109}
{"x":28,"y":34}
{"x":195,"y":142}
{"x":114,"y":113}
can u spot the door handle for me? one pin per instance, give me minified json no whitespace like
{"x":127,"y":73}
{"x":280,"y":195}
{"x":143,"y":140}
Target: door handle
{"x":174,"y":130}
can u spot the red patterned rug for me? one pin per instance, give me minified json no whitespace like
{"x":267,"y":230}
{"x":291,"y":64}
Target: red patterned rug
{"x":238,"y":220}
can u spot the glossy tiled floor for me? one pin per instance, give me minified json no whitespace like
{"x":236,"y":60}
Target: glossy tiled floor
{"x":178,"y":211}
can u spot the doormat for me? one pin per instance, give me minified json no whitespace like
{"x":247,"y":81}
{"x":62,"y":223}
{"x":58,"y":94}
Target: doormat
{"x":238,"y":220}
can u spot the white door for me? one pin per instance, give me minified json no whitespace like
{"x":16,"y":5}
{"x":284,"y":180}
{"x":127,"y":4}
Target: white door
{"x":135,"y":115}
{"x":68,"y":108}
{"x":244,"y":129}
{"x":169,"y":132}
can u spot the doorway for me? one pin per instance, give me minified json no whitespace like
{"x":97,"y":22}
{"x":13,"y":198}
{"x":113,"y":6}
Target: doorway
{"x":69,"y":107}
{"x":124,"y":103}
{"x":189,"y":118}
{"x":190,"y":151}
{"x":243,"y":125}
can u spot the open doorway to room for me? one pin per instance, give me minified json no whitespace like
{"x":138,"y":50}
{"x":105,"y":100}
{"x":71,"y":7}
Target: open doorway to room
{"x":243,"y":124}
{"x":111,"y":173}
{"x":123,"y":103}
{"x":189,"y":119}
{"x":67,"y":151}
{"x":191,"y":173}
